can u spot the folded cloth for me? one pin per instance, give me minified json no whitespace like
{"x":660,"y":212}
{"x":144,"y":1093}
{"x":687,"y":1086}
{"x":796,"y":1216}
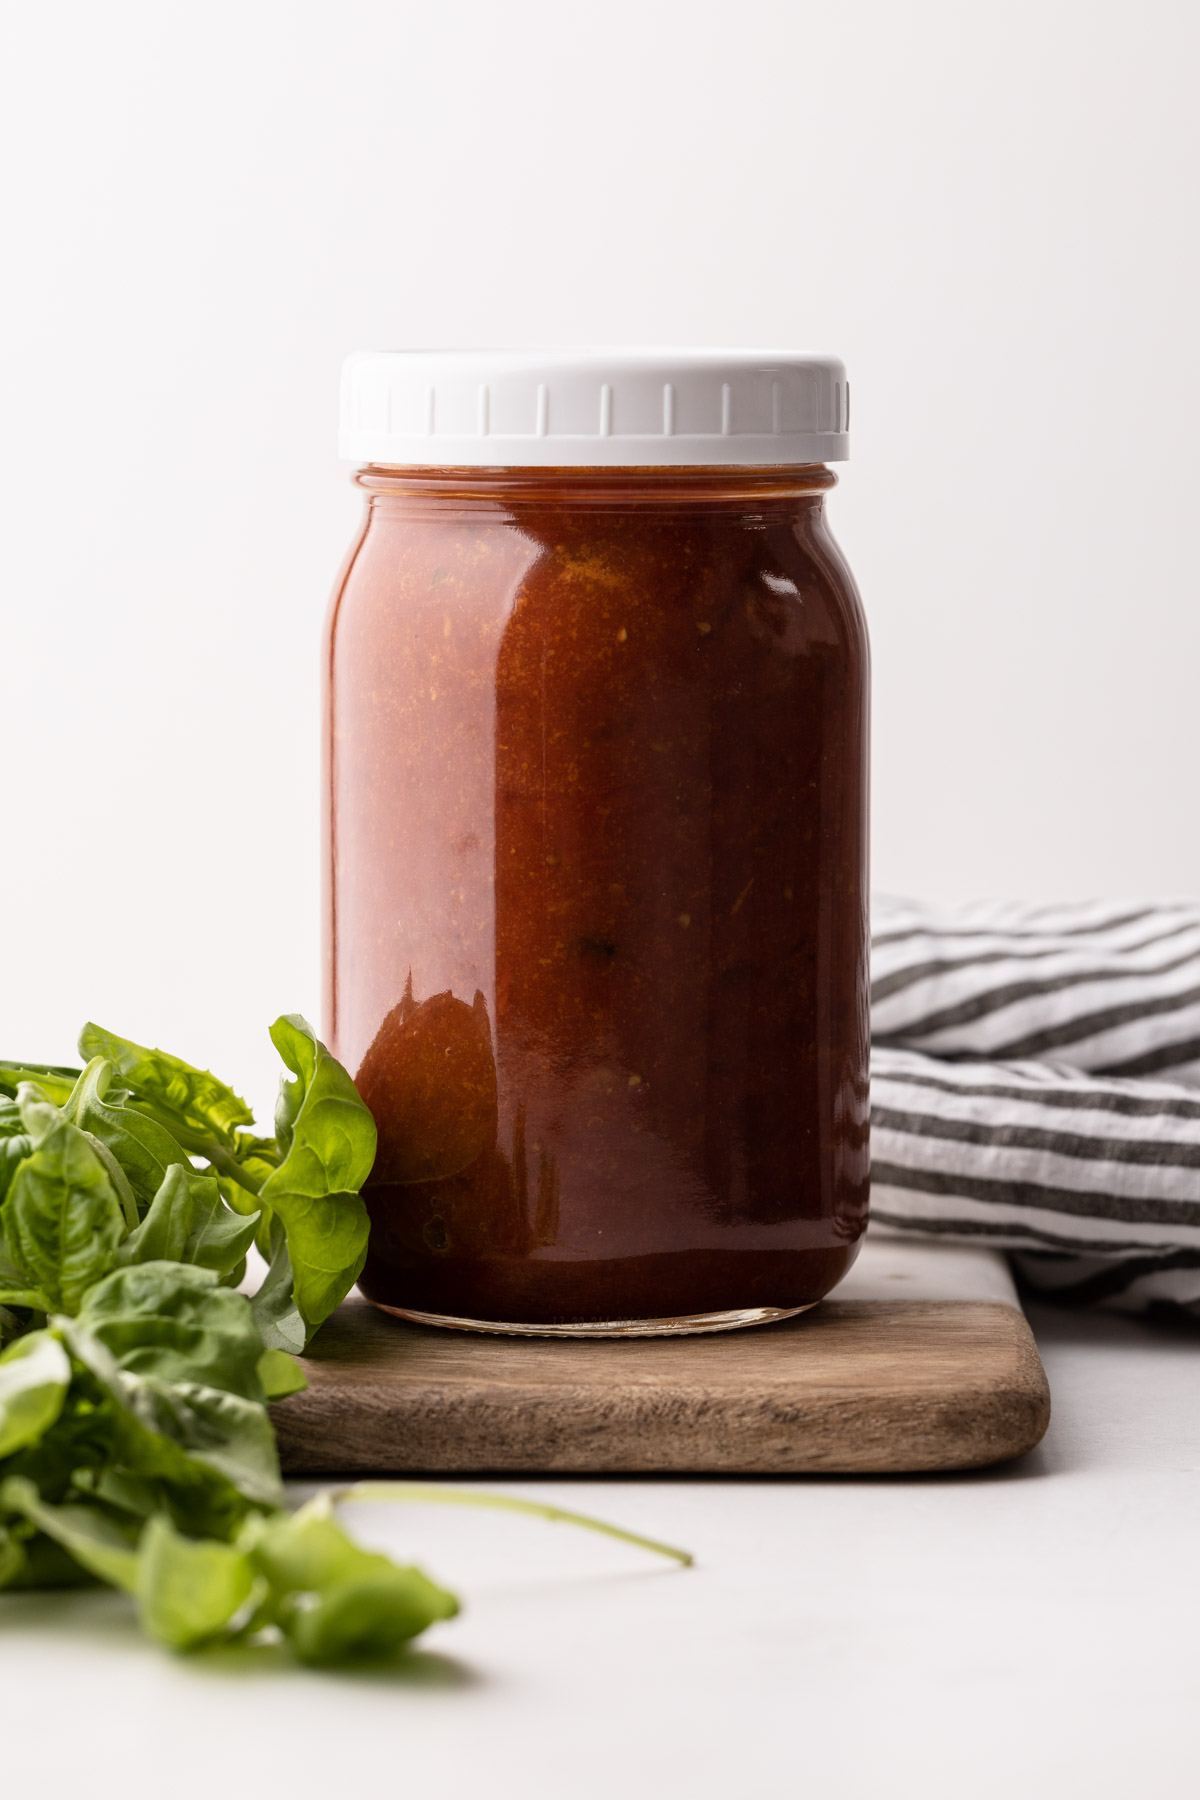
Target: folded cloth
{"x":1035,"y":1078}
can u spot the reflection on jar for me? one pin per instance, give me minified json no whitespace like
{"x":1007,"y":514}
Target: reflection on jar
{"x":441,"y":1183}
{"x":430,"y":1079}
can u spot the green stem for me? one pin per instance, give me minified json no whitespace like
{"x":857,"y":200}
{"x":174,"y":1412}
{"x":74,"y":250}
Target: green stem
{"x":119,"y":1179}
{"x":557,"y":1515}
{"x":229,"y":1165}
{"x":198,"y":1143}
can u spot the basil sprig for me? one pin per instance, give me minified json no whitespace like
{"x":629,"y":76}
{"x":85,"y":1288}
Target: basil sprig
{"x":136,"y":1447}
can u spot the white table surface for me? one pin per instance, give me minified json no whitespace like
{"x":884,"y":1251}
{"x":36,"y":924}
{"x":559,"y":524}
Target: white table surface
{"x":1022,"y":1633}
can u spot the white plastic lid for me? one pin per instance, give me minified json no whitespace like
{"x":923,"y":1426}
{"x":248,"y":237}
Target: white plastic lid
{"x":546,"y":408}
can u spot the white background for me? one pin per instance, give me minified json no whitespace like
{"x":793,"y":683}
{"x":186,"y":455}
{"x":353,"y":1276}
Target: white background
{"x":988,"y":210}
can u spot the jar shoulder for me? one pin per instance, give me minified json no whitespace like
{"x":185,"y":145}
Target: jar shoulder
{"x":786,"y":577}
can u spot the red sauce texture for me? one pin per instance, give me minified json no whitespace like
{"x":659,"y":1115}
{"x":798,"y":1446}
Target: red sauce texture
{"x":596,"y":889}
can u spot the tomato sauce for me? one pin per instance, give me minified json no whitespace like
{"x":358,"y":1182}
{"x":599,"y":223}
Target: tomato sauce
{"x":597,"y":906}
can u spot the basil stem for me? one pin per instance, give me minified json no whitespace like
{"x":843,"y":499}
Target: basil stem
{"x":537,"y":1509}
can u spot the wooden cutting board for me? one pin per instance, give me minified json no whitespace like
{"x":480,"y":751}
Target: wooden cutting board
{"x":922,"y":1359}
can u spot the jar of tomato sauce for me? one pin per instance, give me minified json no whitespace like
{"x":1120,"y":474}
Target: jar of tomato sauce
{"x":596,"y":800}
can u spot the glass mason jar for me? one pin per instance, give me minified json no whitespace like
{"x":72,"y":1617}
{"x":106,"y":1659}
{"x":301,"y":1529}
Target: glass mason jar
{"x":596,"y":791}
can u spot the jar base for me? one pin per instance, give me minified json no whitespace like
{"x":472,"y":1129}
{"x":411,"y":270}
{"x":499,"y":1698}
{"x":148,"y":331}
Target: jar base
{"x":687,"y":1325}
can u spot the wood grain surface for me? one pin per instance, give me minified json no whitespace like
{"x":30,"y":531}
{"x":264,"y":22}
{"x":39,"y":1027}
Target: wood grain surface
{"x":869,"y":1384}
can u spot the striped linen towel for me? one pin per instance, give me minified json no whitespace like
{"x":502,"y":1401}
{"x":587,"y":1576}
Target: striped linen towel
{"x":1035,"y":1084}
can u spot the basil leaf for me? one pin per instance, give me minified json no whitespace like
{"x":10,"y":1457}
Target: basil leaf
{"x":35,"y":1373}
{"x":65,"y":1462}
{"x":128,"y":1493}
{"x":143,"y":1148}
{"x":188,"y":1222}
{"x":190,"y":1590}
{"x":197,"y":1109}
{"x":96,"y":1541}
{"x":256,"y":1156}
{"x":274,"y":1305}
{"x":15,"y":1143}
{"x":336,"y":1602}
{"x":10,"y":1119}
{"x":304,"y":1551}
{"x":56,"y":1083}
{"x":61,"y":1220}
{"x":207,"y":1443}
{"x":327,"y":1137}
{"x":280,"y":1375}
{"x":13,"y":1151}
{"x":369,"y":1616}
{"x":322,"y":1108}
{"x":172,"y":1321}
{"x":201,"y":1433}
{"x":13,"y":1294}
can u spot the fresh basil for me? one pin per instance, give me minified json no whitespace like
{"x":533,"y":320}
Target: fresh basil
{"x":188,"y":1222}
{"x":326,"y":1138}
{"x":35,"y":1373}
{"x":190,"y":1590}
{"x":135,"y":1443}
{"x":337,"y":1602}
{"x":199,"y":1111}
{"x":174,"y":1322}
{"x":13,"y":1151}
{"x":61,"y":1222}
{"x":55,"y":1083}
{"x":303,"y":1184}
{"x":280,"y":1375}
{"x":91,"y":1535}
{"x":143,"y":1149}
{"x":199,"y":1430}
{"x":10,"y":1119}
{"x":275,"y":1311}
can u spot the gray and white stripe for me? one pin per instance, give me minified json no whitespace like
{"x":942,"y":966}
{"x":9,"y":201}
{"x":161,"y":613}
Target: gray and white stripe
{"x":1017,"y":1093}
{"x":1111,"y":987}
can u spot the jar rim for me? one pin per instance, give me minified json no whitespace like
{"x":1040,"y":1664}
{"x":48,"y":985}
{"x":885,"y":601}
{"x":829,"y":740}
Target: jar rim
{"x":590,"y":486}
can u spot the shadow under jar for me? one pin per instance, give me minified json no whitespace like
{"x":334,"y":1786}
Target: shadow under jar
{"x":596,"y":790}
